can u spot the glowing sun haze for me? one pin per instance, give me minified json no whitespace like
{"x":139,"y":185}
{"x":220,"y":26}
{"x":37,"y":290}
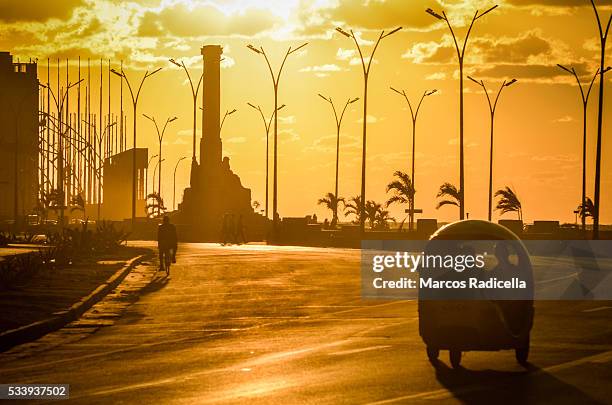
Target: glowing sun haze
{"x":538,"y":126}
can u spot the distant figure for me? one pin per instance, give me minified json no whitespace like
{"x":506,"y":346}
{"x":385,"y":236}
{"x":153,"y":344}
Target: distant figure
{"x":240,"y":236}
{"x":167,"y":241}
{"x":314,"y":218}
{"x":325,"y":224}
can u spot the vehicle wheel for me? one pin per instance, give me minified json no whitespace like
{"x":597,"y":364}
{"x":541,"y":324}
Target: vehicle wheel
{"x":433,"y":353}
{"x":455,"y":358}
{"x":522,"y":354}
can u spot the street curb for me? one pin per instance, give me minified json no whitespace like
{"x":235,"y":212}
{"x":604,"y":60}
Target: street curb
{"x":33,"y":331}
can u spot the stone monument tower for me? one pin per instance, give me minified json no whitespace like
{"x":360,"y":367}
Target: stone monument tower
{"x":215,"y":190}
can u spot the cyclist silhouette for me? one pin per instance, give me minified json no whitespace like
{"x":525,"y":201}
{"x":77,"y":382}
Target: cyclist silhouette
{"x":167,"y":244}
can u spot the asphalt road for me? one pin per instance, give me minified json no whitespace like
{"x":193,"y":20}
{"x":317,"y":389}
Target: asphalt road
{"x":283,"y":325}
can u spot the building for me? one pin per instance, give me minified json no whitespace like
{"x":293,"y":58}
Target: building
{"x":117,"y":187}
{"x":215,"y":190}
{"x":18,"y":137}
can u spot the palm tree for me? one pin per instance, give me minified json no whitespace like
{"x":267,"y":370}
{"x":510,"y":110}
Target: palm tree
{"x":156,"y":207}
{"x":451,"y":195}
{"x":371,"y":209}
{"x":353,"y":207}
{"x":382,"y":218}
{"x":509,"y":202}
{"x":77,"y":203}
{"x":587,"y":209}
{"x":332,"y":203}
{"x":403,"y":192}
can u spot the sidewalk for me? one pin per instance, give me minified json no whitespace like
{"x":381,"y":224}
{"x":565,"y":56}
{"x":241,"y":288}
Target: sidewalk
{"x":53,"y":291}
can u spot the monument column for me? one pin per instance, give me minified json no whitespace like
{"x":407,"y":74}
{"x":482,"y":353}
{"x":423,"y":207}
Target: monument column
{"x":210,"y":144}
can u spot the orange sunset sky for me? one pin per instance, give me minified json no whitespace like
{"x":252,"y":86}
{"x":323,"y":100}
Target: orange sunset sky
{"x":538,"y":123}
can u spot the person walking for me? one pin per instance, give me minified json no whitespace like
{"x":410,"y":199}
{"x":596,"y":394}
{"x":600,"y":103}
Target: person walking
{"x":167,"y":243}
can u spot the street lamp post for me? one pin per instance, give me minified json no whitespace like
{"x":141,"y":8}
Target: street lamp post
{"x":59,"y":104}
{"x":275,"y":82}
{"x":159,"y":200}
{"x":414,"y":114}
{"x":603,"y":36}
{"x":460,"y":56}
{"x":267,"y":125}
{"x":160,"y":138}
{"x":585,"y":102}
{"x":100,"y":157}
{"x":194,"y":93}
{"x":174,"y":188}
{"x":134,"y":108}
{"x":492,"y":108}
{"x":366,"y":74}
{"x":147,"y":179}
{"x":225,"y":116}
{"x":338,"y":126}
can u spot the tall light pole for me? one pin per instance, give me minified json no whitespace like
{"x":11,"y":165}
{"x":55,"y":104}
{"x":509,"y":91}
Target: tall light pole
{"x":585,"y":102}
{"x":174,"y":188}
{"x":603,"y":36}
{"x":275,"y":81}
{"x":159,"y":204}
{"x":59,"y":104}
{"x":338,"y":125}
{"x":99,"y":156}
{"x":147,"y":179}
{"x":228,"y":112}
{"x":414,"y":114}
{"x":366,"y":75}
{"x":492,"y":108}
{"x":160,"y":138}
{"x":134,"y":108}
{"x":460,"y":56}
{"x":194,"y":93}
{"x":267,"y":125}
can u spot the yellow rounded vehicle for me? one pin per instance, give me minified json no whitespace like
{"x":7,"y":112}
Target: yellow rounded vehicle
{"x":474,"y":319}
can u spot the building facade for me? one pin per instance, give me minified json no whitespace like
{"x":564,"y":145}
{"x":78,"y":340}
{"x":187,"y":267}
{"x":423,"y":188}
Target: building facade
{"x":18,"y":137}
{"x":117,"y":186}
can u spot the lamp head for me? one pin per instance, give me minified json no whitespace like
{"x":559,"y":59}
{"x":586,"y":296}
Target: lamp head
{"x":429,"y":93}
{"x":343,"y":32}
{"x":488,"y":11}
{"x":564,"y":68}
{"x":117,"y":73}
{"x":474,"y":80}
{"x":397,"y":91}
{"x":354,"y":100}
{"x":174,"y":62}
{"x":231,"y":112}
{"x":323,"y":97}
{"x":281,"y":107}
{"x":607,"y":69}
{"x":252,"y":48}
{"x":257,"y":108}
{"x":434,"y":14}
{"x":298,"y":48}
{"x":173,"y":119}
{"x":392,"y":32}
{"x":511,"y":82}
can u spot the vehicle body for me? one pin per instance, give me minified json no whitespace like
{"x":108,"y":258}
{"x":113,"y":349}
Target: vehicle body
{"x":478,"y":321}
